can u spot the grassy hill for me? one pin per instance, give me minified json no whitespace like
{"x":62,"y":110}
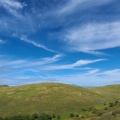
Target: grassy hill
{"x":55,"y":98}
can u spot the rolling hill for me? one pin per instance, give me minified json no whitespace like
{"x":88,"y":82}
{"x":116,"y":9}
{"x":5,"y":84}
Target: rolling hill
{"x":56,"y":98}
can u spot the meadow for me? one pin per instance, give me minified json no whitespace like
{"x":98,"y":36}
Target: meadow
{"x":57,"y":99}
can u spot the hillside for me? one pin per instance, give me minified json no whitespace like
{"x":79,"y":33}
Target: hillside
{"x":53,"y":98}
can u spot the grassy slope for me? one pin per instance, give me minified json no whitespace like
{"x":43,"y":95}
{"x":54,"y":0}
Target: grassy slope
{"x":53,"y":98}
{"x":108,"y":114}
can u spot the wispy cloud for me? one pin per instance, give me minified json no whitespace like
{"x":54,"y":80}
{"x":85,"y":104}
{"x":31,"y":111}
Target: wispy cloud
{"x":93,"y":37}
{"x":44,"y":64}
{"x":89,"y":78}
{"x":24,"y":38}
{"x":12,"y":6}
{"x":75,"y":25}
{"x":93,"y":71}
{"x":113,"y":72}
{"x":17,"y":72}
{"x":94,"y":77}
{"x":50,"y":18}
{"x":23,"y":71}
{"x":44,"y":61}
{"x":37,"y":68}
{"x":73,"y":65}
{"x":13,"y":19}
{"x":72,"y":5}
{"x":26,"y":63}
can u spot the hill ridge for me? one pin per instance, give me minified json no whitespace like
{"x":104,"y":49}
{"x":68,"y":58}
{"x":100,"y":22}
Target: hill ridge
{"x":53,"y":98}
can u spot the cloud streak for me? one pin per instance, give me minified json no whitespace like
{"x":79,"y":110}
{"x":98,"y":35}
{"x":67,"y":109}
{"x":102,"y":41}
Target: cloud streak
{"x":18,"y":72}
{"x":93,"y":37}
{"x":12,"y":6}
{"x":26,"y":63}
{"x":24,"y":38}
{"x":92,"y":78}
{"x":72,"y":27}
{"x":72,"y":5}
{"x":78,"y":63}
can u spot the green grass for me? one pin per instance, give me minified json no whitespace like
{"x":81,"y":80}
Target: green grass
{"x":54,"y":98}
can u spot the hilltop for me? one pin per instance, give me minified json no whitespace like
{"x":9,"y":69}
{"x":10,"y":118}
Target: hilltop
{"x":53,"y":98}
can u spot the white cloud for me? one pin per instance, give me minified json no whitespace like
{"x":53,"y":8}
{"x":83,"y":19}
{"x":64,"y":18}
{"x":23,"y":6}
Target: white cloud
{"x":43,"y":64}
{"x":24,"y":38}
{"x":92,"y":37}
{"x":93,"y":71}
{"x":21,"y":68}
{"x":44,"y":61}
{"x":31,"y":71}
{"x":72,"y":5}
{"x":113,"y":72}
{"x":91,"y":78}
{"x":12,"y":63}
{"x":25,"y":63}
{"x":11,"y":3}
{"x":12,"y":6}
{"x":73,"y":65}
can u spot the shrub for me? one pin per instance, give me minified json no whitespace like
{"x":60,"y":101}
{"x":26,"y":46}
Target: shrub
{"x":99,"y":114}
{"x":34,"y":116}
{"x":72,"y":115}
{"x":105,"y":104}
{"x":105,"y":108}
{"x":116,"y":103}
{"x":58,"y":117}
{"x":53,"y":116}
{"x":84,"y":109}
{"x":111,"y":105}
{"x":90,"y":109}
{"x":113,"y":113}
{"x":95,"y":111}
{"x":77,"y":115}
{"x":82,"y":117}
{"x":44,"y":117}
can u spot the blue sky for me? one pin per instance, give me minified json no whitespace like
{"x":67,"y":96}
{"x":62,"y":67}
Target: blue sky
{"x":69,"y":41}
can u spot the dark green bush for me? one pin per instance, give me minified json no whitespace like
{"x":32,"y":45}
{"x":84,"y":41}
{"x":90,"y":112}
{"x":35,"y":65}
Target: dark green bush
{"x":34,"y":116}
{"x":111,"y":104}
{"x":58,"y":117}
{"x":72,"y":115}
{"x":77,"y":115}
{"x":53,"y":116}
{"x":116,"y":103}
{"x":105,"y":108}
